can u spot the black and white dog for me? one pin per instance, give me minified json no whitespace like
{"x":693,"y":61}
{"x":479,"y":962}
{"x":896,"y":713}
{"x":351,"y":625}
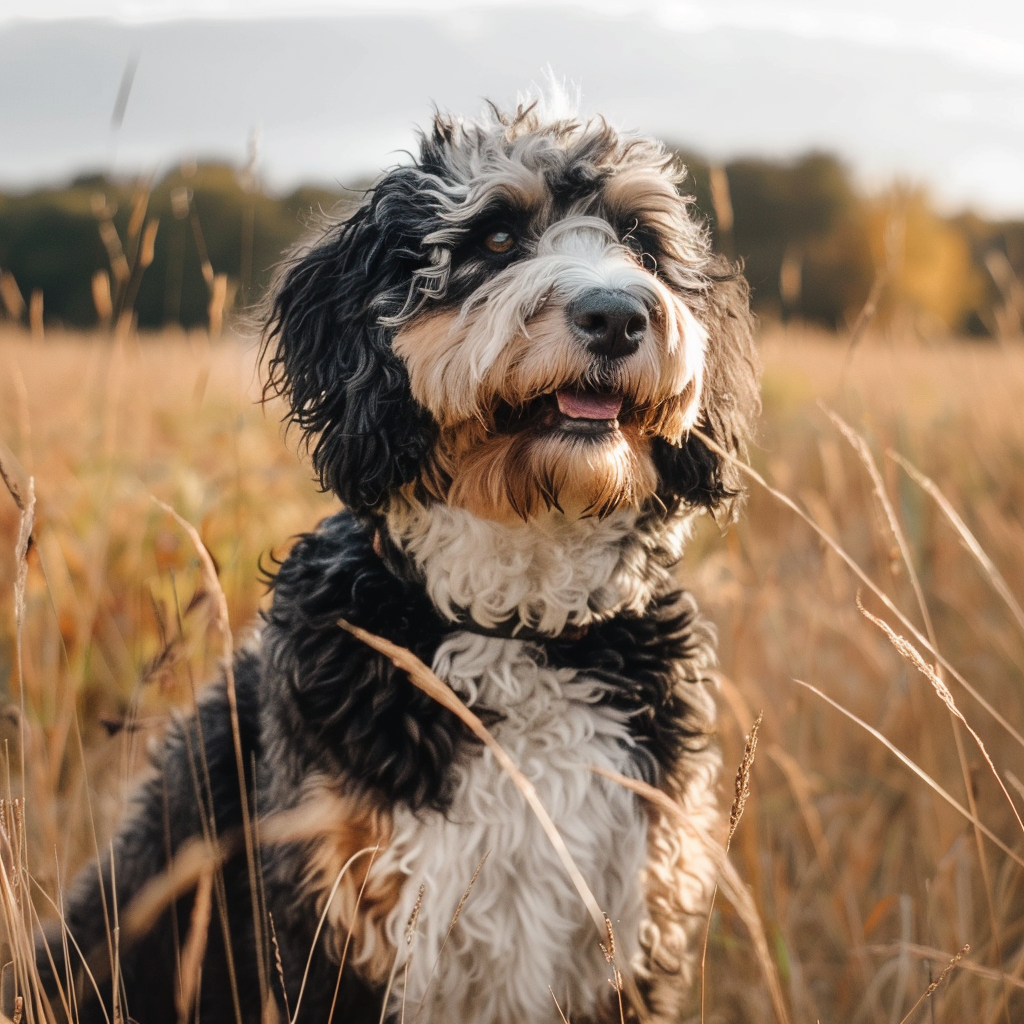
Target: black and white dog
{"x":496,"y":360}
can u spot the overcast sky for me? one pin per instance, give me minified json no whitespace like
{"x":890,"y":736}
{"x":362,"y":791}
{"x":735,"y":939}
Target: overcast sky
{"x":931,"y":91}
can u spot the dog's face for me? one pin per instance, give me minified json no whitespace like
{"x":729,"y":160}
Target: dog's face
{"x":528,"y":318}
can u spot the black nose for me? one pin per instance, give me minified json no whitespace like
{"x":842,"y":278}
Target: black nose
{"x":611,"y":322}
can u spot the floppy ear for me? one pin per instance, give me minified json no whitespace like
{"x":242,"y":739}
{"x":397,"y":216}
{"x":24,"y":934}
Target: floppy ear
{"x":692,"y":473}
{"x":330,"y":352}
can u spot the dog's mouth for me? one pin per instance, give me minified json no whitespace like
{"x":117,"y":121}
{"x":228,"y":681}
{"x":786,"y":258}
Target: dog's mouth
{"x":588,"y":412}
{"x":580,"y":411}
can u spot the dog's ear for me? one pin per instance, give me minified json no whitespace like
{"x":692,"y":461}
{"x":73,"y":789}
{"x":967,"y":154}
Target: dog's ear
{"x":692,"y":473}
{"x":329,"y":345}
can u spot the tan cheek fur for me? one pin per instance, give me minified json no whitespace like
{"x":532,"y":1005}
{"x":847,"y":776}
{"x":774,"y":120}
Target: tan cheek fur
{"x":645,"y":191}
{"x":508,"y":477}
{"x":429,"y":347}
{"x":350,"y":829}
{"x":646,"y":196}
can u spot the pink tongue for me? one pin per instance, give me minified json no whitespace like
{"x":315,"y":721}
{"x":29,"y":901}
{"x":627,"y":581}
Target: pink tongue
{"x":587,"y":406}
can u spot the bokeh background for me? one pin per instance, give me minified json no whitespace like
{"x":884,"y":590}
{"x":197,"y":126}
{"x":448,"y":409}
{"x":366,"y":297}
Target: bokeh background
{"x":864,"y":160}
{"x":823,"y":125}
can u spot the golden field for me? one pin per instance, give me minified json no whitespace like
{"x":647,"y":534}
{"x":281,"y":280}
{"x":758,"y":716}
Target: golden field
{"x":867,"y":878}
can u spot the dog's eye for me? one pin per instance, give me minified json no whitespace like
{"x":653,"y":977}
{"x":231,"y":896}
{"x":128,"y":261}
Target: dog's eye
{"x":500,"y":241}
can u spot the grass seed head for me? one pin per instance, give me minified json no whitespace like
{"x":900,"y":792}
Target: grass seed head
{"x":410,"y":928}
{"x":743,"y":778}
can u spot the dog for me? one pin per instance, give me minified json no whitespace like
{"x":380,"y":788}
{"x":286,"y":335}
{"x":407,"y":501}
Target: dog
{"x":497,"y":362}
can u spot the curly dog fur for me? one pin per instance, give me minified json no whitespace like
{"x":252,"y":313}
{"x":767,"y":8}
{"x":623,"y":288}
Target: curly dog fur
{"x":497,"y":361}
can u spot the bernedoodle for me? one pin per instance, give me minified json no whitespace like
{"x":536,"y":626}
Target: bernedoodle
{"x":498,"y":361}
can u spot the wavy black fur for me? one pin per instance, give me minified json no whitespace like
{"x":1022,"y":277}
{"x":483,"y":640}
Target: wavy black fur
{"x":348,"y":393}
{"x":652,"y":665}
{"x":693,"y":474}
{"x":348,"y":709}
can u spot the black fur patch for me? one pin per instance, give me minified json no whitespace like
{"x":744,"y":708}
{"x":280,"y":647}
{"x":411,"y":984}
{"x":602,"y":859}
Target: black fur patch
{"x":693,"y":474}
{"x":350,"y":712}
{"x":651,"y":665}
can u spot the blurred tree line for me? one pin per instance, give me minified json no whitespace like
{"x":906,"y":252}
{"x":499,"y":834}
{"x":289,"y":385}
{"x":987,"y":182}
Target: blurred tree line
{"x":815,"y":249}
{"x":204,"y":240}
{"x":212,"y":230}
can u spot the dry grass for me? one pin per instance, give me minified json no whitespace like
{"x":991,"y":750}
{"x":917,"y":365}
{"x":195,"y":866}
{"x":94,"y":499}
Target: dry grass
{"x":868,"y":882}
{"x":119,"y":624}
{"x":857,"y":867}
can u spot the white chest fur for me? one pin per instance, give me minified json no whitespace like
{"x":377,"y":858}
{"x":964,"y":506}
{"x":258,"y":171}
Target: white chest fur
{"x":549,"y":573}
{"x":523,"y":931}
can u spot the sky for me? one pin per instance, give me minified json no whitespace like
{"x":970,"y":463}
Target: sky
{"x":929,"y":92}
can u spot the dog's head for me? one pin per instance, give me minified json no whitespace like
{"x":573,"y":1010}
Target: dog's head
{"x":526,"y":318}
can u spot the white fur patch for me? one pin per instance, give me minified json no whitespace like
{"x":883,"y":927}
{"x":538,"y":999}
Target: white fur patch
{"x":523,"y":927}
{"x":553,"y":572}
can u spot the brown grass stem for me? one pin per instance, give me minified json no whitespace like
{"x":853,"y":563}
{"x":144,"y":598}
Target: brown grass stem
{"x":561,"y":1015}
{"x":863,"y":577}
{"x":931,"y":989}
{"x":911,"y":654}
{"x":410,"y":940}
{"x":929,"y":953}
{"x":26,"y":524}
{"x":425,"y":680}
{"x":67,"y":936}
{"x":348,"y":934}
{"x":866,"y":314}
{"x":212,"y":581}
{"x":386,"y":998}
{"x":451,"y":927}
{"x":742,"y":794}
{"x":918,"y":771}
{"x":65,"y":950}
{"x":279,"y":966}
{"x":743,"y":779}
{"x":195,"y":946}
{"x":117,"y":1009}
{"x":995,"y":577}
{"x":863,"y":452}
{"x":323,"y":917}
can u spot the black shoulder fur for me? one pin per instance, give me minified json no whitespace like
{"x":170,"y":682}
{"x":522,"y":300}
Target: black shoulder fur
{"x":652,"y":665}
{"x":350,"y":712}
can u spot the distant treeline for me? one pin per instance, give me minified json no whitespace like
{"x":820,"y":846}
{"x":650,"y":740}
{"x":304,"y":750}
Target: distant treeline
{"x":55,"y":241}
{"x":816,"y":249}
{"x":204,"y":240}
